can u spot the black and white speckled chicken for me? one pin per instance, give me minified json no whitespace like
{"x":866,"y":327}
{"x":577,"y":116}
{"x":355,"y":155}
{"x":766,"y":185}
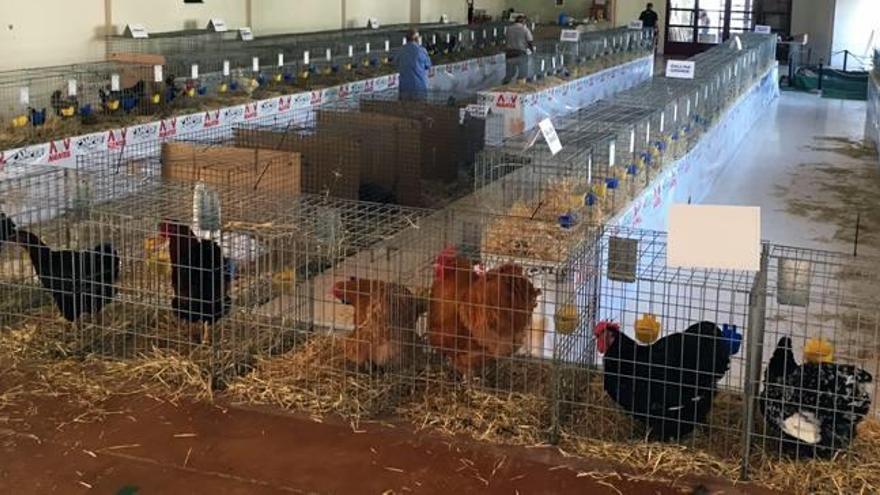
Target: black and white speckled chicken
{"x":812,"y":408}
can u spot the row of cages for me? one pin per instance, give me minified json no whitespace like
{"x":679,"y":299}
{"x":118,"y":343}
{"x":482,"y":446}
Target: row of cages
{"x":368,"y":310}
{"x":613,"y":149}
{"x":42,"y":104}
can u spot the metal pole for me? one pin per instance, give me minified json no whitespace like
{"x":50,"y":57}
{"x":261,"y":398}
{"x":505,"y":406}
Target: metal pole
{"x":820,"y":75}
{"x":858,"y":228}
{"x":845,"y":59}
{"x":754,"y":354}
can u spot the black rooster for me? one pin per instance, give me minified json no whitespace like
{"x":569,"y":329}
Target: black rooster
{"x":670,"y":384}
{"x":812,"y":408}
{"x":80,"y":281}
{"x":61,"y":103}
{"x":7,"y":229}
{"x":200,"y":275}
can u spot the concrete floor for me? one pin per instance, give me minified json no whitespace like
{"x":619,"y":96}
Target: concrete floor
{"x":772,"y":156}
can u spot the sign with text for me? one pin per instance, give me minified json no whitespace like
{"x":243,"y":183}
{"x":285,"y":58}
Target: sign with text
{"x":570,"y":35}
{"x":217,"y":26}
{"x":245,"y":34}
{"x":680,"y":69}
{"x":636,"y":25}
{"x":760,"y":28}
{"x":550,"y":136}
{"x":692,"y":226}
{"x":136,"y":31}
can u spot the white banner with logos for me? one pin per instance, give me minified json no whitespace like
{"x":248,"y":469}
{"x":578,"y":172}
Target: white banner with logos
{"x":470,"y":74}
{"x":523,"y":111}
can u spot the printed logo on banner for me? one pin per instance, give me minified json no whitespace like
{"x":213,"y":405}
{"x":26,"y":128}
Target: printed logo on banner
{"x":250,"y":111}
{"x":233,"y":114}
{"x":116,"y":138}
{"x":344,"y":91}
{"x":32,"y":154}
{"x":331,"y":94}
{"x":190,"y":123}
{"x":464,"y":67}
{"x":301,"y":100}
{"x":143,"y":133}
{"x":657,"y":197}
{"x":89,"y":143}
{"x":369,"y":85}
{"x":168,"y":128}
{"x":268,"y":107}
{"x":212,"y":118}
{"x":316,"y":99}
{"x":284,"y":103}
{"x":432,"y":72}
{"x":60,"y":150}
{"x":506,"y":101}
{"x":393,"y":81}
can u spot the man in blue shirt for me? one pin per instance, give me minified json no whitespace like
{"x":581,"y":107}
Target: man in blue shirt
{"x":413,"y":63}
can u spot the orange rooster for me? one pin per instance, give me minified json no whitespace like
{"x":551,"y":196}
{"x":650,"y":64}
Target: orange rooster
{"x":385,"y":316}
{"x":477,"y":316}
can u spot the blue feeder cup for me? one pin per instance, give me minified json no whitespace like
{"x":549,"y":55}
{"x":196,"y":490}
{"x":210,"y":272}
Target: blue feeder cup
{"x":38,"y":118}
{"x":233,"y":86}
{"x":732,"y":337}
{"x":590,"y":199}
{"x":85,"y":111}
{"x":632,"y":169}
{"x":288,"y":77}
{"x":568,"y":220}
{"x":612,"y":183}
{"x":202,"y":91}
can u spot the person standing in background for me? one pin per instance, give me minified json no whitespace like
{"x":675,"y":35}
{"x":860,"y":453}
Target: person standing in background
{"x":520,"y":44}
{"x":650,"y":19}
{"x":413,"y":64}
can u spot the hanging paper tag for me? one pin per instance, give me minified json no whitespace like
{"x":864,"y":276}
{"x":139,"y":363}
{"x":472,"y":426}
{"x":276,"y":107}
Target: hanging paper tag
{"x":158,"y":73}
{"x":114,"y":82}
{"x":226,"y":70}
{"x":550,"y":136}
{"x":194,"y":73}
{"x":71,"y":87}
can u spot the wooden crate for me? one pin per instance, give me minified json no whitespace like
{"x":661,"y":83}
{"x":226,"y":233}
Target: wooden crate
{"x":330,"y":164}
{"x":277,"y":172}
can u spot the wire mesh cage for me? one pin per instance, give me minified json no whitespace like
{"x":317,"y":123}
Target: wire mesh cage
{"x":818,"y":353}
{"x":432,"y":324}
{"x":662,"y":345}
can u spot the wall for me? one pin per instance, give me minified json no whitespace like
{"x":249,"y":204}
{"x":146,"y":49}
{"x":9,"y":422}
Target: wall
{"x":285,"y":16}
{"x":173,"y":15}
{"x":387,"y":11}
{"x":431,"y":10}
{"x":816,"y":18}
{"x":856,"y":25}
{"x":49,"y":32}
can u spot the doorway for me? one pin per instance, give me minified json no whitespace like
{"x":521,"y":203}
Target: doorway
{"x":697,"y":25}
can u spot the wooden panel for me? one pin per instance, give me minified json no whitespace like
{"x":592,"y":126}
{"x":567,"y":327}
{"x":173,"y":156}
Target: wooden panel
{"x":256,"y":169}
{"x":330,"y":164}
{"x":390,"y":150}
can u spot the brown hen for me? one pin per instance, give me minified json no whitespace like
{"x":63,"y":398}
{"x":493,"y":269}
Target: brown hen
{"x":476,"y":316}
{"x":385,"y":316}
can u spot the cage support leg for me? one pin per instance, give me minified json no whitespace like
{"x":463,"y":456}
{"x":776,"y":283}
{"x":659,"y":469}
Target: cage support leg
{"x":755,"y":350}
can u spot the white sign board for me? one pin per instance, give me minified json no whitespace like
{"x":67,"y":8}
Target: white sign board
{"x":71,"y":87}
{"x":194,"y":71}
{"x":114,"y":82}
{"x":372,"y":23}
{"x":24,"y":95}
{"x":636,"y":25}
{"x":245,"y":34}
{"x":226,"y":68}
{"x":479,"y":111}
{"x":255,"y":64}
{"x":281,"y":60}
{"x":306,"y":57}
{"x":158,"y":73}
{"x":444,"y":19}
{"x":217,"y":26}
{"x":136,"y":31}
{"x":760,"y":28}
{"x":695,"y":231}
{"x":329,"y":55}
{"x":550,"y":136}
{"x":570,"y":35}
{"x":680,"y":69}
